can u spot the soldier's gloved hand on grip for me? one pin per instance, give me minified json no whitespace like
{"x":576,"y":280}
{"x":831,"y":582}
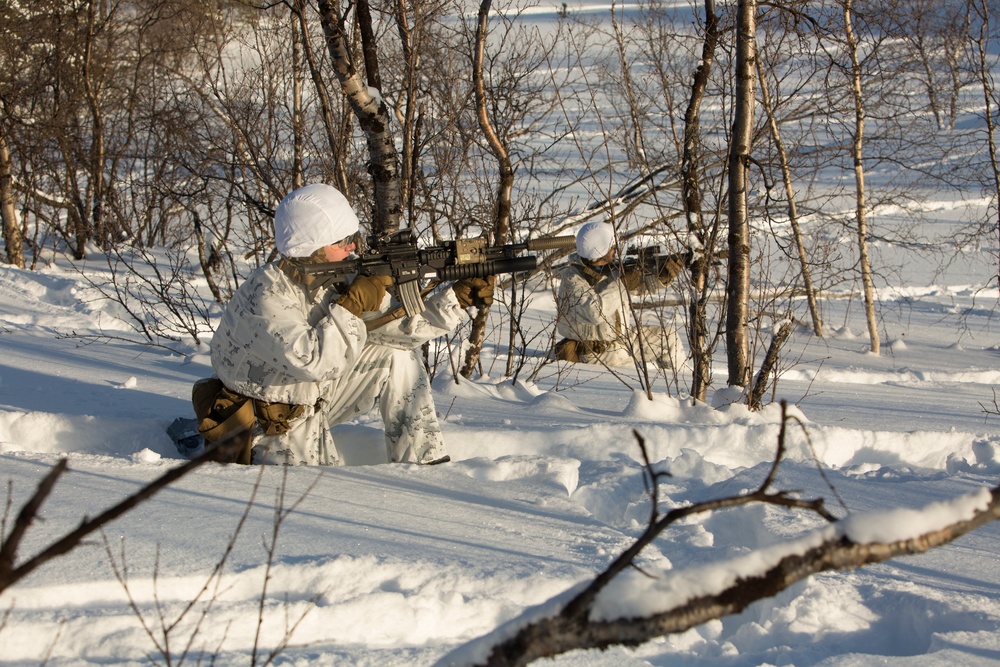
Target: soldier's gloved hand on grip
{"x":364,"y":294}
{"x":672,"y":267}
{"x":473,"y":292}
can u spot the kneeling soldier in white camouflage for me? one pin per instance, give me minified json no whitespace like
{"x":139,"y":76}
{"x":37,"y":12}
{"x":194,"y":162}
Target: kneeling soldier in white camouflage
{"x":594,"y":317}
{"x":302,"y":353}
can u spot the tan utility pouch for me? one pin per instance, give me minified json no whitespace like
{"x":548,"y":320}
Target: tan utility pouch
{"x":592,"y":347}
{"x":274,"y":418}
{"x":572,"y":350}
{"x":224,"y":414}
{"x":566,"y":350}
{"x":221,"y":413}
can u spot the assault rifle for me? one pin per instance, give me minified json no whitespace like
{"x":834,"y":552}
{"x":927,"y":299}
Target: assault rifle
{"x":646,"y":265}
{"x":397,"y":255}
{"x":654,"y":261}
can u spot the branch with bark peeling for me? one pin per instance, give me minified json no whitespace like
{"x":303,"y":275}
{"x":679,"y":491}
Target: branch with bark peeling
{"x":579,"y":624}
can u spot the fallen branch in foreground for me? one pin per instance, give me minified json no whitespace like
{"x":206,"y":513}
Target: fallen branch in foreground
{"x":599,"y":615}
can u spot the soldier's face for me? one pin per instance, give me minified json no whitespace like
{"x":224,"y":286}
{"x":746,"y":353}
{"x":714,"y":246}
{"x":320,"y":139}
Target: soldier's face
{"x":337,"y":252}
{"x":607,"y":258}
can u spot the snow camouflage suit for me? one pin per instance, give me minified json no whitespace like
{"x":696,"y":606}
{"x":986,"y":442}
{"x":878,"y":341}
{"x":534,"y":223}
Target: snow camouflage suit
{"x":593,"y":308}
{"x":281,"y":342}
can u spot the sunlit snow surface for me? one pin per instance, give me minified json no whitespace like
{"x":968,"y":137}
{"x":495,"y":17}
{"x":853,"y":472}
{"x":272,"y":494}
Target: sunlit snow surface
{"x":397,"y":565}
{"x":401,"y":565}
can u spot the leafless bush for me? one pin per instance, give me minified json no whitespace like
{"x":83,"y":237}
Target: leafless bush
{"x":175,"y":636}
{"x":158,"y":295}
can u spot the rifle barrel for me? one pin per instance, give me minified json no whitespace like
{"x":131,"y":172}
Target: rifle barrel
{"x":552,"y":243}
{"x":487,"y":268}
{"x":434,"y":257}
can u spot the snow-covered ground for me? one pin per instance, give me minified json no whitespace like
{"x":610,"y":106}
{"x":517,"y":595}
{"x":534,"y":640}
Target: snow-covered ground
{"x":392,"y":565}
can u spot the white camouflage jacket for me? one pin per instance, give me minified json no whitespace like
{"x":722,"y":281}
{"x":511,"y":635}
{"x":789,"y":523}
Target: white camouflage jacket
{"x":279,"y":343}
{"x":588,"y":311}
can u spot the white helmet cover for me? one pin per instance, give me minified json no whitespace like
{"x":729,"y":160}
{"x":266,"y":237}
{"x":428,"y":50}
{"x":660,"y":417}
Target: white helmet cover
{"x":594,"y":240}
{"x":311,"y":217}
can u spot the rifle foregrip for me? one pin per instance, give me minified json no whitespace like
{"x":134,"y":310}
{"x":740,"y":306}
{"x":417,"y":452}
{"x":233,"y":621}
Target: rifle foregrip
{"x":488,"y":268}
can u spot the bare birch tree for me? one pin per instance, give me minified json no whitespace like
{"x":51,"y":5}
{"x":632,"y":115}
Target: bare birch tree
{"x":983,"y":72}
{"x":13,"y":238}
{"x":15,"y":59}
{"x":787,"y":179}
{"x":857,"y":157}
{"x":505,"y":177}
{"x":372,"y":113}
{"x":738,"y":281}
{"x":691,"y":191}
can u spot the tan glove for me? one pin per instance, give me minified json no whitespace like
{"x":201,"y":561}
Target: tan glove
{"x":672,"y":266}
{"x":633,"y":279}
{"x":364,"y":294}
{"x":473,"y":292}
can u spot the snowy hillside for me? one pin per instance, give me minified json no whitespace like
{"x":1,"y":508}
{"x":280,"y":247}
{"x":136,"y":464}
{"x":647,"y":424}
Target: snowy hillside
{"x":396,"y":565}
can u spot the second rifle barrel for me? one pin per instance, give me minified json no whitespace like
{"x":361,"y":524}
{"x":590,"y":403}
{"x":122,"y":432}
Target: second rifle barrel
{"x":552,"y":242}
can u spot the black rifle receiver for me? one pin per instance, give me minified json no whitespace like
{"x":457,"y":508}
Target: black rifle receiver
{"x":653,"y":258}
{"x":398,"y":255}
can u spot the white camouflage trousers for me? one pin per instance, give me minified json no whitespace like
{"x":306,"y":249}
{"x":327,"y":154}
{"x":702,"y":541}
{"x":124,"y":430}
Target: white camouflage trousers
{"x":394,"y":379}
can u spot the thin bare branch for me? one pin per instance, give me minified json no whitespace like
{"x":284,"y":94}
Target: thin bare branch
{"x":10,"y":573}
{"x":8,"y":550}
